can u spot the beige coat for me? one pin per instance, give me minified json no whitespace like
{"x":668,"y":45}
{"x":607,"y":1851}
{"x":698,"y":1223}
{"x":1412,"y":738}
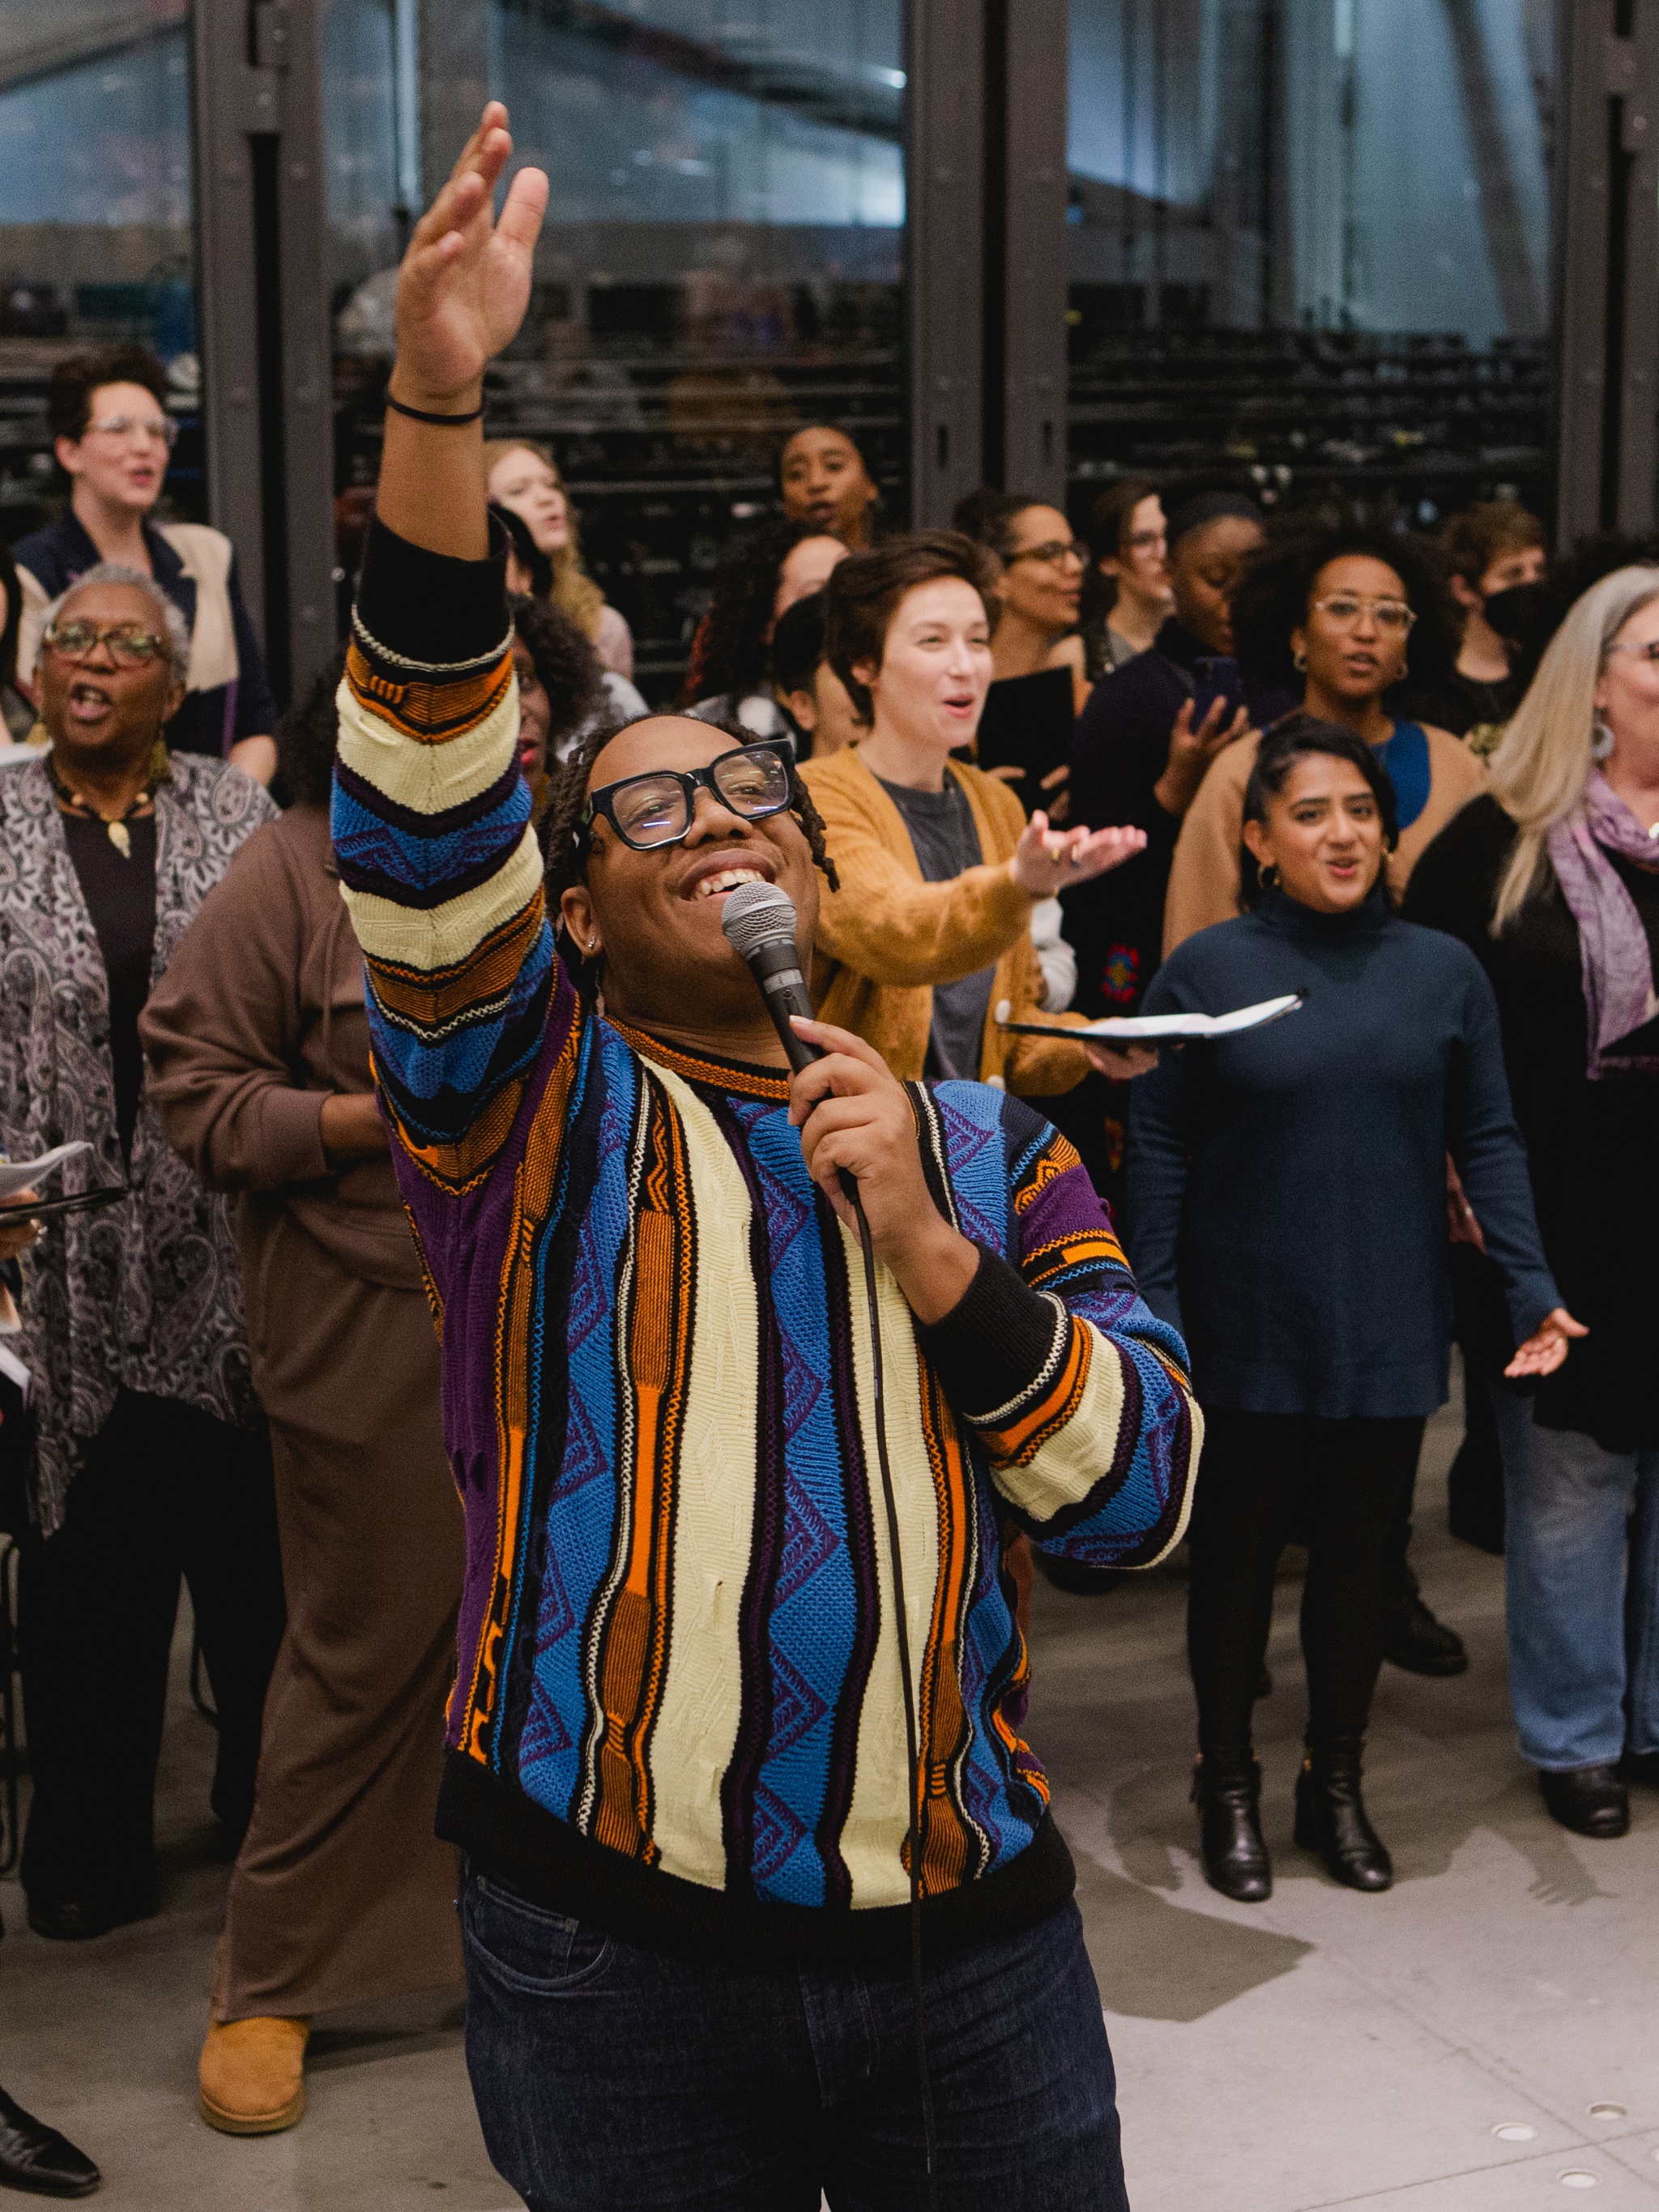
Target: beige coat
{"x":886,"y":936}
{"x":1205,"y":877}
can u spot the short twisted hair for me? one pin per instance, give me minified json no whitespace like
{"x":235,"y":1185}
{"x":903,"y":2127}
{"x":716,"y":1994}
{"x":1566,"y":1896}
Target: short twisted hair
{"x":564,"y":849}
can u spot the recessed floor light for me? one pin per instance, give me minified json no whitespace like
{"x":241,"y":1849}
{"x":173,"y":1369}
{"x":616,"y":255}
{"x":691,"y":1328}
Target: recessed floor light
{"x":1576,"y":2177}
{"x":1514,"y":2132}
{"x":1608,"y":2112}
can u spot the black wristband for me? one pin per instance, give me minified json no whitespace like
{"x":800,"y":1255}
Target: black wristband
{"x":420,"y":414}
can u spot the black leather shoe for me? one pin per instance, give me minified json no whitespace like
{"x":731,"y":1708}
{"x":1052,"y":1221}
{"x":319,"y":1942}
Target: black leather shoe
{"x":74,"y":1920}
{"x":1415,"y":1640}
{"x":37,"y":2159}
{"x":1642,"y":1766}
{"x":1228,"y":1796}
{"x":1591,"y":1800}
{"x":1331,"y":1819}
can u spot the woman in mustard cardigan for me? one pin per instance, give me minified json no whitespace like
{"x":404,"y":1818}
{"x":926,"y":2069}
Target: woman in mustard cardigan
{"x":930,"y":931}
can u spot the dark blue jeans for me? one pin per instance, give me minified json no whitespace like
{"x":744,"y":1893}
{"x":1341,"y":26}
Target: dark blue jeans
{"x":607,"y":2076}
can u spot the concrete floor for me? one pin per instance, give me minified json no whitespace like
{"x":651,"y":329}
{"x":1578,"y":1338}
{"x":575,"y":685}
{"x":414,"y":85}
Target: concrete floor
{"x":1322,"y":2050}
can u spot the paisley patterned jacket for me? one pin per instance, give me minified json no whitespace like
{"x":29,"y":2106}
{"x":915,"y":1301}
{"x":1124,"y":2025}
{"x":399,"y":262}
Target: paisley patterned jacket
{"x":146,"y":1294}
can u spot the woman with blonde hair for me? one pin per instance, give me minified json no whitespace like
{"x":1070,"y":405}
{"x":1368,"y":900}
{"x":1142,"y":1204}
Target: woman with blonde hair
{"x":1551,"y":878}
{"x":525,"y":478}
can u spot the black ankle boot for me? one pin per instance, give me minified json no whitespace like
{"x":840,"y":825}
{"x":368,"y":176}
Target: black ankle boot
{"x":1330,"y":1817}
{"x":1228,"y":1794}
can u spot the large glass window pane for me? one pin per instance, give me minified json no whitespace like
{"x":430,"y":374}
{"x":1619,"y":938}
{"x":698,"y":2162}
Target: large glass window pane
{"x":95,"y":240}
{"x":1312,"y":239}
{"x":721,"y":259}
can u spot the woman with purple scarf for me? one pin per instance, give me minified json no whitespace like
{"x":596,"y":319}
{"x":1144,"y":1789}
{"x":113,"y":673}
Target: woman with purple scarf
{"x":1552,"y":880}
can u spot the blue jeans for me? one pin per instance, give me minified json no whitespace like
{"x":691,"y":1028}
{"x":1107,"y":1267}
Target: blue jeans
{"x":1581,"y":1564}
{"x":610,"y":2077}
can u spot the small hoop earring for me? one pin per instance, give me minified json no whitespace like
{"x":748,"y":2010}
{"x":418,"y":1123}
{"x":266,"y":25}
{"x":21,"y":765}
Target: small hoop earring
{"x":1271,"y":878}
{"x":1601,"y":741}
{"x":1299,"y":661}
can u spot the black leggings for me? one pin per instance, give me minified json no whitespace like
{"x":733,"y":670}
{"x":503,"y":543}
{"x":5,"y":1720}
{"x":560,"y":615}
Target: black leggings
{"x":1339,"y":1484}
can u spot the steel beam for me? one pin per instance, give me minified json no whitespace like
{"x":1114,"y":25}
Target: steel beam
{"x":945,"y":109}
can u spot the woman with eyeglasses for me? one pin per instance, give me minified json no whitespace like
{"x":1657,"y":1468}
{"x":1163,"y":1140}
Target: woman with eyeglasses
{"x":1037,"y":681}
{"x":1552,"y":878}
{"x":1287,"y":1211}
{"x":112,"y":435}
{"x":1343,"y":617}
{"x":149,"y":1457}
{"x":1126,"y":594}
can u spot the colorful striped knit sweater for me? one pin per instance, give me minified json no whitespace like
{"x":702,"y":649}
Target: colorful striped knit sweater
{"x":677,"y":1709}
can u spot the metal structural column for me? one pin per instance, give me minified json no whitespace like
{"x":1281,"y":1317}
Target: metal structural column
{"x":1607,"y":240}
{"x":944,"y":121}
{"x":263,"y":266}
{"x":1027,"y":71}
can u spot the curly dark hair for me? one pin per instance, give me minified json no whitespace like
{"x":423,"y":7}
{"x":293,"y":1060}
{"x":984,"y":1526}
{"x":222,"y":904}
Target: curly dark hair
{"x":1273,"y":594}
{"x":988,"y":516}
{"x":564,"y":848}
{"x":306,"y":734}
{"x":565,"y":661}
{"x":729,"y":656}
{"x":75,"y":381}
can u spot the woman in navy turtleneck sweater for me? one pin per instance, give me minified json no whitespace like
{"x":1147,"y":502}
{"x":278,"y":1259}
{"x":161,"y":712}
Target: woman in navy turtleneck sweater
{"x":1287,"y":1211}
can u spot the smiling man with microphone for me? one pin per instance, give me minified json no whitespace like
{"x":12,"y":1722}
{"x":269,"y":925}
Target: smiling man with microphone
{"x":761,"y":1895}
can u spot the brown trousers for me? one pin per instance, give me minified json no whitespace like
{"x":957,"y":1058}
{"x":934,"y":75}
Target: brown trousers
{"x":342,"y":1893}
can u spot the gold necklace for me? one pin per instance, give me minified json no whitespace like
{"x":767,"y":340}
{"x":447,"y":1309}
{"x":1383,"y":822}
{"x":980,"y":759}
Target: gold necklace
{"x":116,"y":829}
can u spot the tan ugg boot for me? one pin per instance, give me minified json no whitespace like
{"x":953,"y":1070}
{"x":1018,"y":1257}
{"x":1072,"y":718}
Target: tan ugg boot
{"x":251,"y":2075}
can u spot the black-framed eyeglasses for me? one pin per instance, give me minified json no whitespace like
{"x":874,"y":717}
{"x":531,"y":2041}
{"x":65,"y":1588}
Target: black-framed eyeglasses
{"x":1051,"y":554}
{"x":656,"y":808}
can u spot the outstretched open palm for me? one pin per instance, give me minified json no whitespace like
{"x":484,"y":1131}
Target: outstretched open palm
{"x":465,"y":282}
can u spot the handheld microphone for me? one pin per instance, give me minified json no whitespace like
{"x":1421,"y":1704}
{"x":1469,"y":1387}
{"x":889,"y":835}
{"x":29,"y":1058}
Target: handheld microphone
{"x":759,"y":922}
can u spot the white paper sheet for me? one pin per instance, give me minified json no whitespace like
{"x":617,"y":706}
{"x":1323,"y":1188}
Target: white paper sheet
{"x":1165,"y":1028}
{"x":25,"y":1174}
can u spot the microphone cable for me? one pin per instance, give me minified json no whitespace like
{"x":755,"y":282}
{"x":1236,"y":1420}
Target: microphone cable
{"x":913,"y":1757}
{"x":758,"y":920}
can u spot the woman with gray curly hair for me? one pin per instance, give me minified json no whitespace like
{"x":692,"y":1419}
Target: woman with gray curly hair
{"x":148,"y":1458}
{"x":1553,"y":880}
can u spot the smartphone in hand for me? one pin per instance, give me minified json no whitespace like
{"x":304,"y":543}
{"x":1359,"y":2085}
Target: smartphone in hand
{"x":1215,"y":676}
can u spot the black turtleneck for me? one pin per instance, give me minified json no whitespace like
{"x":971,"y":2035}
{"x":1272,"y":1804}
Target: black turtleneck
{"x":1286,"y":1190}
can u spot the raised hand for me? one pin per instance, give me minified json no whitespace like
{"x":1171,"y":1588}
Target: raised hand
{"x":1191,"y":752}
{"x":465,"y":282}
{"x":1047,"y":860}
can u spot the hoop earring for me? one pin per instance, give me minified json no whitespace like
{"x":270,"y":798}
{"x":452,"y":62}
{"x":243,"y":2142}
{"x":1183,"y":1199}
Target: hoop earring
{"x":1299,"y":661}
{"x":1270,"y":877}
{"x":1601,"y":741}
